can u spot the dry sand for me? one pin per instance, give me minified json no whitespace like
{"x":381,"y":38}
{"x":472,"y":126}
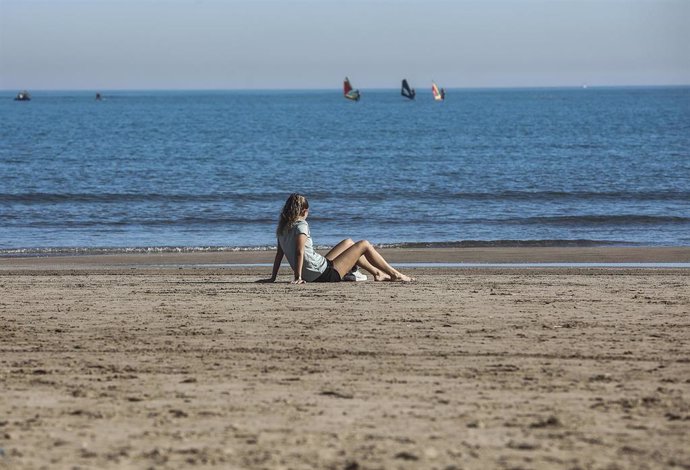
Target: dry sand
{"x":110,"y":362}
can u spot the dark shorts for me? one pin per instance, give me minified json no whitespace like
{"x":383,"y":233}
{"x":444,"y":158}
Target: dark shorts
{"x":329,"y":275}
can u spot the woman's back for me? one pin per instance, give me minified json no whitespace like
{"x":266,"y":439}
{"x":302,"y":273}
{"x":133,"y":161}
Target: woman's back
{"x":314,"y":263}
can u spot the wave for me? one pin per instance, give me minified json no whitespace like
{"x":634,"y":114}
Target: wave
{"x":117,"y":198}
{"x":211,"y":221}
{"x":278,"y":198}
{"x":545,"y":196}
{"x":70,"y":251}
{"x":80,"y":251}
{"x":186,"y":222}
{"x":590,"y":220}
{"x":510,"y":243}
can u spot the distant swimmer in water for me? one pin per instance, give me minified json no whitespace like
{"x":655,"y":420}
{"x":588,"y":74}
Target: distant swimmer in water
{"x":98,"y":97}
{"x":295,"y":243}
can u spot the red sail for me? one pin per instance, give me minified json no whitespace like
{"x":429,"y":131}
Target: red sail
{"x":346,"y":86}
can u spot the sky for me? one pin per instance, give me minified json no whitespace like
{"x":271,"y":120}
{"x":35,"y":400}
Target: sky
{"x":307,"y":44}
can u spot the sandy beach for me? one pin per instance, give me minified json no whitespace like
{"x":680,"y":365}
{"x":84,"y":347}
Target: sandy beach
{"x":181,"y":360}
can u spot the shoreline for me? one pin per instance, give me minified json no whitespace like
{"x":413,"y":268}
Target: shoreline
{"x":442,"y":256}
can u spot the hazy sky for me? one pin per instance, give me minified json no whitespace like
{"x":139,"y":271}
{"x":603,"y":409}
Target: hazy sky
{"x":219,"y":44}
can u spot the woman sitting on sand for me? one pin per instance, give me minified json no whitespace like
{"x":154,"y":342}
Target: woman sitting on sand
{"x":294,"y":241}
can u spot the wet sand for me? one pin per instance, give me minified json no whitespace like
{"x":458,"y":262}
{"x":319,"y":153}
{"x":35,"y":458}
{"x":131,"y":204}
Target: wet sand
{"x":146,"y":361}
{"x":394,"y":255}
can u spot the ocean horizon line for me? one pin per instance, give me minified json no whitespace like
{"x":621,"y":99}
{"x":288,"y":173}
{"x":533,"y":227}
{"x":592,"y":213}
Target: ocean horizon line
{"x":330,"y":89}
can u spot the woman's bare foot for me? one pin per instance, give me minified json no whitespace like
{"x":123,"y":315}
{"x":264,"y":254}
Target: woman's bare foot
{"x":381,"y":276}
{"x":400,"y":277}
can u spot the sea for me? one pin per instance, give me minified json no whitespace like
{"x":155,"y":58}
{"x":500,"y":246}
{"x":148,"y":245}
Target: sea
{"x":210,"y":170}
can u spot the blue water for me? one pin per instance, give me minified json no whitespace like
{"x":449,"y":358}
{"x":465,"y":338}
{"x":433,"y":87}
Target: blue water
{"x":212,"y":169}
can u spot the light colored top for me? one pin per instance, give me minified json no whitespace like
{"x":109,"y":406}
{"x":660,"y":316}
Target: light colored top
{"x":314,"y":264}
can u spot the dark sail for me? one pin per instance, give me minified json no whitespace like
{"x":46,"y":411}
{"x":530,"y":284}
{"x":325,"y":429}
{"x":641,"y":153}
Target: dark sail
{"x":406,"y":91}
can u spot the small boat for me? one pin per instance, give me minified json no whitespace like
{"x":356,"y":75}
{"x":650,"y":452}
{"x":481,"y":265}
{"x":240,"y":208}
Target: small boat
{"x":406,"y":91}
{"x":439,"y":93}
{"x":349,"y":92}
{"x":23,"y":96}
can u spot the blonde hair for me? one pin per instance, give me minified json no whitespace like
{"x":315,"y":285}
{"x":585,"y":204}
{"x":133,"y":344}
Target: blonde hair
{"x":295,"y":204}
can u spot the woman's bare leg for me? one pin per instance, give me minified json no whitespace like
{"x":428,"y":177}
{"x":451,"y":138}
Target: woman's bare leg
{"x":339,"y":248}
{"x":345,"y":260}
{"x":362,"y":262}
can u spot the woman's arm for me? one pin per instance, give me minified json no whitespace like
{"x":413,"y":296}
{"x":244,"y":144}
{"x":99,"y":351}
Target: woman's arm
{"x":276,"y":262}
{"x":299,"y":258}
{"x":276,"y":265}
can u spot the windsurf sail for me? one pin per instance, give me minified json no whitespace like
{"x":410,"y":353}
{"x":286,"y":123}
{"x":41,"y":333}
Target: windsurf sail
{"x":349,"y":92}
{"x":406,"y":91}
{"x":439,"y":94}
